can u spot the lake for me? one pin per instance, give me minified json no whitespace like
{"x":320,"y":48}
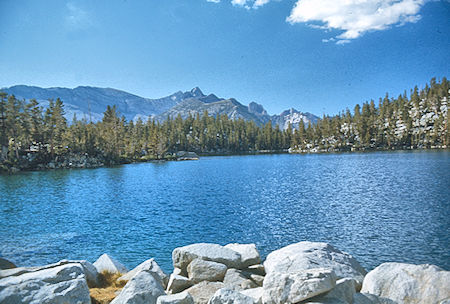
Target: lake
{"x":386,"y":206}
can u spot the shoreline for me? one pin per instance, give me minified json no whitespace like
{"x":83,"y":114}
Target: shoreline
{"x":93,"y":162}
{"x":99,"y":162}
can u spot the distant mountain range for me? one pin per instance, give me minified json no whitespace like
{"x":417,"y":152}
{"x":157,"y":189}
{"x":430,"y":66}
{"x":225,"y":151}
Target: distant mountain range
{"x":90,"y":103}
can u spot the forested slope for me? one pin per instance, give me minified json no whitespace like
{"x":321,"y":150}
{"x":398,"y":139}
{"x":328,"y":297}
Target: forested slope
{"x":32,"y":137}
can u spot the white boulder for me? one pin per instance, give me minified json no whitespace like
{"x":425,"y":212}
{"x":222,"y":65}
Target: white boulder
{"x":179,"y":298}
{"x":366,"y":298}
{"x":53,"y":284}
{"x":182,"y":256}
{"x":255,"y":293}
{"x":308,"y":255}
{"x":89,"y":270}
{"x":149,"y":265}
{"x":109,"y":264}
{"x":143,"y":288}
{"x":228,"y":296}
{"x":200,"y":270}
{"x":294,"y":287}
{"x":178,"y":283}
{"x":203,"y":291}
{"x":342,"y":292}
{"x":408,"y":283}
{"x":249,"y":253}
{"x":239,"y":280}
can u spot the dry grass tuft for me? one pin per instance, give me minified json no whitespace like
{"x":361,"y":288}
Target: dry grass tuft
{"x":109,"y":279}
{"x":109,"y":288}
{"x":103,"y":295}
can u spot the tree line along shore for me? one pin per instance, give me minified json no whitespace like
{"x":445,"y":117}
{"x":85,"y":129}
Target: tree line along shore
{"x":36,"y":138}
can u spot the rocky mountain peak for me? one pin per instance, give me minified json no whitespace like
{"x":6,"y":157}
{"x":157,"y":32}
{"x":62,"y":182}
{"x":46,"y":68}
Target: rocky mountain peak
{"x":256,"y":108}
{"x":291,"y":111}
{"x":196,"y":92}
{"x":85,"y":101}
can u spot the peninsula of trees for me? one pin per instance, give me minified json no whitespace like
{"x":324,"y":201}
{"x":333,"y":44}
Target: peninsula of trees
{"x":32,"y":137}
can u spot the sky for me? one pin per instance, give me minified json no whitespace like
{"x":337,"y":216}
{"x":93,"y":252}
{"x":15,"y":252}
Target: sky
{"x":318,"y":56}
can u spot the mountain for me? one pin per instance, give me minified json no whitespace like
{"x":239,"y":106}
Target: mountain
{"x":294,"y":117}
{"x":90,"y":103}
{"x":215,"y":106}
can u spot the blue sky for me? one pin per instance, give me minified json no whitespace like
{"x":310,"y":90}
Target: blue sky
{"x":317,"y":56}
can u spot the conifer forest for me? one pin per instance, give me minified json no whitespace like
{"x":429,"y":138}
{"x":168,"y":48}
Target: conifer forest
{"x":31,"y":135}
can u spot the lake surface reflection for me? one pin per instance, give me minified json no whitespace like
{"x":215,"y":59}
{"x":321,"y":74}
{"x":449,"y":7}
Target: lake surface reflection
{"x":390,"y":206}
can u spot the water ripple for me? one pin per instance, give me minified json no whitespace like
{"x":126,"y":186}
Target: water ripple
{"x":378,"y":206}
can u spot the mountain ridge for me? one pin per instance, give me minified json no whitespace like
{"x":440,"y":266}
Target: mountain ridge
{"x":90,"y":102}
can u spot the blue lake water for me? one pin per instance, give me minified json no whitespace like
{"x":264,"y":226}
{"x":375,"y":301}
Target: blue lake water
{"x":389,"y":206}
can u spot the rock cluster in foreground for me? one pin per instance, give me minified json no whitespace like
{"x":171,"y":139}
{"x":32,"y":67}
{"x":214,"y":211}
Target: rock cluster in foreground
{"x":304,"y":272}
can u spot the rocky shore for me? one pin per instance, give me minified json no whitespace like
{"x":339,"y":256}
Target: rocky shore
{"x":304,"y":272}
{"x":35,"y":162}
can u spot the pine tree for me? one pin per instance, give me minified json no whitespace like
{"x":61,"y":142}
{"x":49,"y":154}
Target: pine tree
{"x":3,"y":129}
{"x":13,"y":127}
{"x":36,"y":123}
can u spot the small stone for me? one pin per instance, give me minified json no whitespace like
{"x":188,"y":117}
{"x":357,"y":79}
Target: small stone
{"x":5,"y":264}
{"x":177,"y":271}
{"x":256,"y":269}
{"x":228,"y":296}
{"x":258,"y":279}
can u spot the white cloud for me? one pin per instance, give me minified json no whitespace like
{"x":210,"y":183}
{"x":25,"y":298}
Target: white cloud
{"x":77,"y":18}
{"x":259,"y":3}
{"x":355,"y":17}
{"x":249,"y":3}
{"x":213,"y":1}
{"x":242,"y":3}
{"x":239,"y":2}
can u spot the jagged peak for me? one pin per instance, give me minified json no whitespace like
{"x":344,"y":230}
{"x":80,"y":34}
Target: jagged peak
{"x":133,"y":105}
{"x":290,"y":112}
{"x":234,"y":101}
{"x":196,"y":92}
{"x":256,"y":108}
